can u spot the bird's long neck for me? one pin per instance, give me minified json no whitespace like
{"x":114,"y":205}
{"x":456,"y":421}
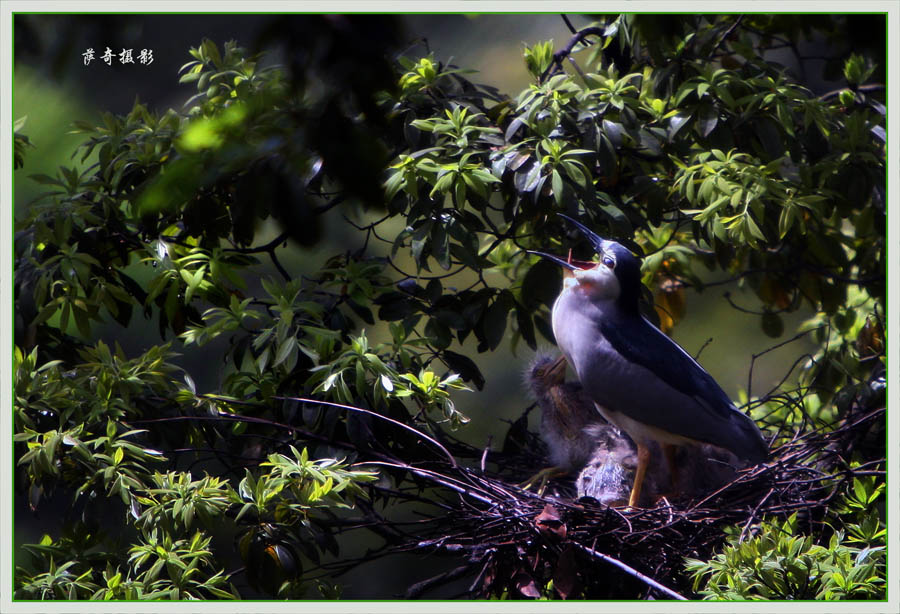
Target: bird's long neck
{"x":574,"y":314}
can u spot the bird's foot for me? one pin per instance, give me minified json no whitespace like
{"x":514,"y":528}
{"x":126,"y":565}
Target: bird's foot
{"x":626,"y":507}
{"x":664,"y":498}
{"x":542,"y":477}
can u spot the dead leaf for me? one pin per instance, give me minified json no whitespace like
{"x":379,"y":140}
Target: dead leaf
{"x":525,"y":585}
{"x":565,"y":576}
{"x":549,"y":522}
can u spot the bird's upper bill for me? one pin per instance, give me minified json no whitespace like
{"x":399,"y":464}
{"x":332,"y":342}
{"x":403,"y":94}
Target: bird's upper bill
{"x":597,"y":241}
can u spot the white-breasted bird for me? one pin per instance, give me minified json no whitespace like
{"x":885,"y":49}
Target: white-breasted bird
{"x":638,"y":378}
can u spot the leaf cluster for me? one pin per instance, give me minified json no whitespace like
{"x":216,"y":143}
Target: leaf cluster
{"x":780,"y":562}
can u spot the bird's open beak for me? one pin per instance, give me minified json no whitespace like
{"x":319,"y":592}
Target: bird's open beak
{"x":595,"y":239}
{"x":555,"y":259}
{"x":576,"y":265}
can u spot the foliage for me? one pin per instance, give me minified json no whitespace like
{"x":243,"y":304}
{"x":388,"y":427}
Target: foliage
{"x":779,"y":563}
{"x":20,"y":143}
{"x":677,"y":137}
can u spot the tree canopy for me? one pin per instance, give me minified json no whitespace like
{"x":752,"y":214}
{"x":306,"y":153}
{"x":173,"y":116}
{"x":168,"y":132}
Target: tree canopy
{"x":336,"y":410}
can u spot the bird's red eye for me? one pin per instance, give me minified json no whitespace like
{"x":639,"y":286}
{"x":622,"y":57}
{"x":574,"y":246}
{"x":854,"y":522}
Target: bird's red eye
{"x":608,"y":262}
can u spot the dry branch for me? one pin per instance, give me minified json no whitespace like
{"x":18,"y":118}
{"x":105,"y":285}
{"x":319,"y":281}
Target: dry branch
{"x":510,"y":546}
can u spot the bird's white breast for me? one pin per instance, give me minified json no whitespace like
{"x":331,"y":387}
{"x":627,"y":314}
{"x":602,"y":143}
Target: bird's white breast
{"x":641,"y":432}
{"x":605,"y":374}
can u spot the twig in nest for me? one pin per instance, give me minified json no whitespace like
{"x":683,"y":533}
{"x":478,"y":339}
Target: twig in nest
{"x":633,"y":572}
{"x":420,"y":587}
{"x":487,"y":449}
{"x":753,"y":513}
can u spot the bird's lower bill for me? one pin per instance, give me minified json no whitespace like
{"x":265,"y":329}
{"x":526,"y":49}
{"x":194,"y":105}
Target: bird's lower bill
{"x":557,"y":371}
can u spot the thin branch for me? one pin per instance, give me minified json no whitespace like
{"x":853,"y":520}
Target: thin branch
{"x":438,"y":478}
{"x":278,"y":266}
{"x":424,"y":277}
{"x":330,"y":205}
{"x":752,"y":516}
{"x":268,"y":247}
{"x":633,"y":572}
{"x":868,"y":87}
{"x":727,"y":297}
{"x":774,"y":347}
{"x":563,"y":53}
{"x":420,"y":587}
{"x":803,"y":266}
{"x":487,"y":449}
{"x":431,"y":440}
{"x":726,"y":34}
{"x":577,"y":68}
{"x":702,"y":347}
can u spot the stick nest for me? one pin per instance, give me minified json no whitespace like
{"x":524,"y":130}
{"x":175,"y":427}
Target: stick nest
{"x":514,"y":542}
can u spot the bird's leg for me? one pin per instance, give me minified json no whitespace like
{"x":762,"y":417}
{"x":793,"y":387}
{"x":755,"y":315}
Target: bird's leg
{"x":643,"y":453}
{"x":669,"y":452}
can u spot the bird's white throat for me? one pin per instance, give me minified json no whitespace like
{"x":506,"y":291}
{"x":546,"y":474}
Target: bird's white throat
{"x":599,"y":283}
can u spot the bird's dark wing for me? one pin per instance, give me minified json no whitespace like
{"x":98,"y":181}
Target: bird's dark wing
{"x":723,"y":425}
{"x":647,"y":346}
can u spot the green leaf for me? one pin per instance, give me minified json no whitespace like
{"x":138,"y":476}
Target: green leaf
{"x":557,"y":185}
{"x":440,"y":246}
{"x":193,"y":282}
{"x":45,"y":179}
{"x":424,"y":124}
{"x":393,"y":185}
{"x":495,"y":322}
{"x":484,"y":175}
{"x":443,"y":184}
{"x":46,"y":312}
{"x":707,"y":119}
{"x":285,"y":350}
{"x":386,"y":383}
{"x":754,"y":229}
{"x":475,"y":184}
{"x":786,"y":219}
{"x":785,"y":118}
{"x":438,"y":333}
{"x":210,"y":51}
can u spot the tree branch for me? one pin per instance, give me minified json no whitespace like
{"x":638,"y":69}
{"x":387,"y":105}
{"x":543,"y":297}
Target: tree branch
{"x":431,"y":440}
{"x":563,"y":53}
{"x":633,"y":572}
{"x":726,"y":34}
